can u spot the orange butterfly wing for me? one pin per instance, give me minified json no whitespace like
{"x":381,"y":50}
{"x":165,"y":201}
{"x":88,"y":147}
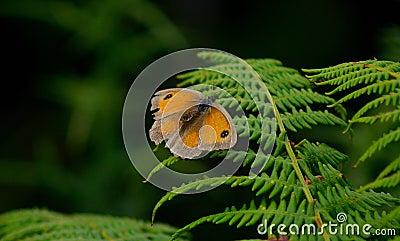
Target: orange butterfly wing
{"x":171,"y":101}
{"x":218,"y":131}
{"x":169,"y":105}
{"x":190,"y":135}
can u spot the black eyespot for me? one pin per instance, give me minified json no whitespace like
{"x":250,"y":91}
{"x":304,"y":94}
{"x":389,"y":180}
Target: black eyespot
{"x":224,"y":134}
{"x":167,"y":96}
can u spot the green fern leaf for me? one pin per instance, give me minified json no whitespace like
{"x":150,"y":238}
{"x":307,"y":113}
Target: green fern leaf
{"x":389,"y":181}
{"x":38,"y":225}
{"x":369,"y":77}
{"x":289,"y":99}
{"x":252,"y":215}
{"x":314,"y":153}
{"x":393,"y":116}
{"x":386,"y":139}
{"x":392,"y":98}
{"x":354,"y":73}
{"x":393,"y":215}
{"x":299,"y":119}
{"x":165,"y":163}
{"x":392,"y":167}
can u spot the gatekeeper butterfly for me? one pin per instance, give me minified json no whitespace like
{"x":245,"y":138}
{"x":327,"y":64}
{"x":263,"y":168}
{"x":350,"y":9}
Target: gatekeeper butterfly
{"x":190,"y":124}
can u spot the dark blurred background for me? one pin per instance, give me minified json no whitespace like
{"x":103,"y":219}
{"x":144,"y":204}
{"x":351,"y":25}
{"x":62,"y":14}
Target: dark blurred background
{"x":67,"y":66}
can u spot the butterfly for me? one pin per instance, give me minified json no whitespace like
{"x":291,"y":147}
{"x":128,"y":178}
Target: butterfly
{"x":190,"y":124}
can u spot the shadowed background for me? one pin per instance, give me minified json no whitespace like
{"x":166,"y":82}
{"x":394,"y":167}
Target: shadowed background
{"x":67,"y":66}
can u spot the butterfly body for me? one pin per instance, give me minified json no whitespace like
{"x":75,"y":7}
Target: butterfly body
{"x":190,"y":123}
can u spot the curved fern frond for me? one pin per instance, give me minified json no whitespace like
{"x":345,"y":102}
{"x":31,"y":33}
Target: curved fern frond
{"x":393,"y":215}
{"x":392,"y":167}
{"x":299,"y":119}
{"x":372,"y":77}
{"x":389,"y":177}
{"x":393,"y":116}
{"x":393,"y":98}
{"x":253,"y":215}
{"x":314,"y":153}
{"x":354,"y":73}
{"x":376,"y":88}
{"x":389,"y":181}
{"x":336,"y":199}
{"x":292,"y":98}
{"x":221,"y":57}
{"x":165,"y":163}
{"x":384,"y":76}
{"x":382,"y":142}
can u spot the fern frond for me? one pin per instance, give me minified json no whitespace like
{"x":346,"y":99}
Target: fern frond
{"x":369,"y":77}
{"x":379,"y":88}
{"x":37,"y":225}
{"x":328,"y":176}
{"x":389,"y":177}
{"x":293,"y":212}
{"x":289,"y":99}
{"x":362,"y":72}
{"x":392,"y":167}
{"x":381,"y":82}
{"x":195,"y":185}
{"x":299,"y":119}
{"x":216,"y":57}
{"x":384,"y":75}
{"x":283,"y":184}
{"x":393,"y":215}
{"x":389,"y":181}
{"x":393,"y":98}
{"x":263,"y":64}
{"x":386,"y":139}
{"x":279,"y":78}
{"x":336,"y":199}
{"x":165,"y":163}
{"x":314,"y":153}
{"x":393,"y":116}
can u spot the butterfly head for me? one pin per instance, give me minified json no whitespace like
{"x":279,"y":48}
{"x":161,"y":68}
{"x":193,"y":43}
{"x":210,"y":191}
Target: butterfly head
{"x":205,"y":105}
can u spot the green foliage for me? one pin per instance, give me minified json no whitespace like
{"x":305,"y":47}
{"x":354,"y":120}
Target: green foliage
{"x":40,"y":225}
{"x":380,"y":79}
{"x":77,"y":158}
{"x":302,"y":182}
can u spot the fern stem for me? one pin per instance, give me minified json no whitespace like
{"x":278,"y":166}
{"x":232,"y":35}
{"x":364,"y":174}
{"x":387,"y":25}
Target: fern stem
{"x":289,"y":150}
{"x":282,"y":129}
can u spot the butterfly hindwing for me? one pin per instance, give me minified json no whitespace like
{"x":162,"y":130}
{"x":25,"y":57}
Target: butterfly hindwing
{"x":218,"y":131}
